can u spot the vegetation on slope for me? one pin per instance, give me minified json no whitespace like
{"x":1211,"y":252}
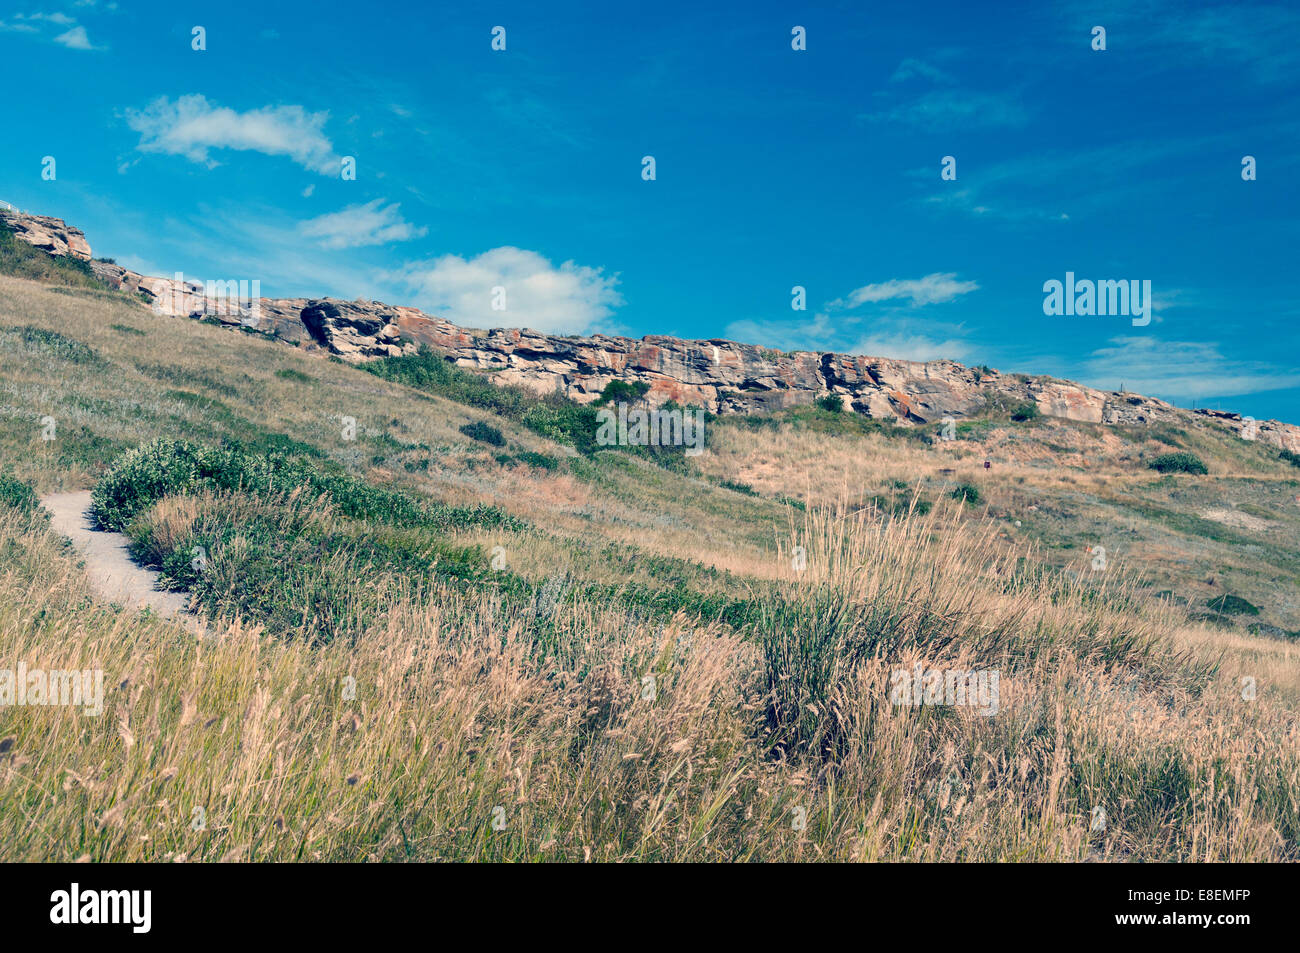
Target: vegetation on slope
{"x":608,"y":659}
{"x":21,"y":260}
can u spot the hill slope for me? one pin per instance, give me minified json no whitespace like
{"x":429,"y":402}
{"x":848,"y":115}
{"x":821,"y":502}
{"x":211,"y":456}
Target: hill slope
{"x":432,"y":598}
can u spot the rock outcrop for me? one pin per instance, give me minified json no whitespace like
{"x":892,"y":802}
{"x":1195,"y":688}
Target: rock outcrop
{"x":724,"y":377}
{"x":48,"y":234}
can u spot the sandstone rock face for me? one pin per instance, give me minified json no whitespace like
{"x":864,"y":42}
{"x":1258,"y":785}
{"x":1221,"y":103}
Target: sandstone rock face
{"x":724,"y":377}
{"x":52,"y":235}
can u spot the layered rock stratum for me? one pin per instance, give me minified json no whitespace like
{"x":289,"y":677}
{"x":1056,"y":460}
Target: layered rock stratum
{"x":724,"y":377}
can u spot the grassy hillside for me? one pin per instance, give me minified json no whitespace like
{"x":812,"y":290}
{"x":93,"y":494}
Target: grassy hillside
{"x":425,"y":642}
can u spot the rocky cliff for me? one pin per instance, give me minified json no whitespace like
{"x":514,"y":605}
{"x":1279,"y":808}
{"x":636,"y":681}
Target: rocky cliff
{"x":722,"y":376}
{"x":49,"y":234}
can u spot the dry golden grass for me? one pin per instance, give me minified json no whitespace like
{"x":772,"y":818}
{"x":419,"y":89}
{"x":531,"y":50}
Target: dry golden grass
{"x":482,"y":731}
{"x":458,"y":721}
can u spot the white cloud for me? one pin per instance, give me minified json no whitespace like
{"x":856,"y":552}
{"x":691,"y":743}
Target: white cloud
{"x":905,"y":346}
{"x":570,"y":298}
{"x":75,"y":39}
{"x":357,"y":225}
{"x":935,"y":288}
{"x":1180,"y":370}
{"x":62,"y":19}
{"x":912,"y":68}
{"x":191,"y":126}
{"x":889,"y":330}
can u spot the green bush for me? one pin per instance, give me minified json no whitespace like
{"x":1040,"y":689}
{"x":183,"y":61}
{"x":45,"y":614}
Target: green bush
{"x":17,"y":494}
{"x":744,"y":488}
{"x":290,"y":374}
{"x":478,"y":430}
{"x":539,"y":460}
{"x":967,"y":493}
{"x":621,"y":392}
{"x":161,"y":468}
{"x":1232,"y":605}
{"x":832,"y":402}
{"x":1289,"y":457}
{"x":1026,"y":411}
{"x":1180,"y":462}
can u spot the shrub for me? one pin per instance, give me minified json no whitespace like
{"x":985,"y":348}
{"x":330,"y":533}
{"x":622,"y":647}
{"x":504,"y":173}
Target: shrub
{"x":1181,"y":462}
{"x":744,"y":488}
{"x":539,"y":460}
{"x":478,"y":430}
{"x":289,"y":374}
{"x":1026,"y":411}
{"x":161,"y":468}
{"x":1289,"y":457}
{"x":1232,"y":605}
{"x":831,"y":402}
{"x":17,"y":494}
{"x":967,"y":493}
{"x":621,"y":392}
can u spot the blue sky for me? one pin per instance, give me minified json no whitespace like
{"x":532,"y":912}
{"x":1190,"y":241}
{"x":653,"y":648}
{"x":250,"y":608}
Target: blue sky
{"x":774,"y":168}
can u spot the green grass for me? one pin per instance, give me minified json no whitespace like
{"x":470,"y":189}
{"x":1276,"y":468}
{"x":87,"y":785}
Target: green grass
{"x":551,"y":415}
{"x":484,"y":433}
{"x":17,"y":494}
{"x":21,"y":260}
{"x":164,"y":468}
{"x":53,"y":346}
{"x":290,"y":374}
{"x":1232,"y":605}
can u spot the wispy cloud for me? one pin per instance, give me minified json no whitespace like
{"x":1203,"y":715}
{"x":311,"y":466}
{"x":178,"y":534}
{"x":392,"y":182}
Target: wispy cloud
{"x":1180,"y":370}
{"x":945,"y":105}
{"x":190,"y":126}
{"x":951,"y":108}
{"x":373,"y":223}
{"x":1029,"y":188}
{"x":889,"y":324}
{"x":915,"y":68}
{"x":932,"y":289}
{"x":569,"y":298}
{"x":1259,"y":38}
{"x":48,"y":25}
